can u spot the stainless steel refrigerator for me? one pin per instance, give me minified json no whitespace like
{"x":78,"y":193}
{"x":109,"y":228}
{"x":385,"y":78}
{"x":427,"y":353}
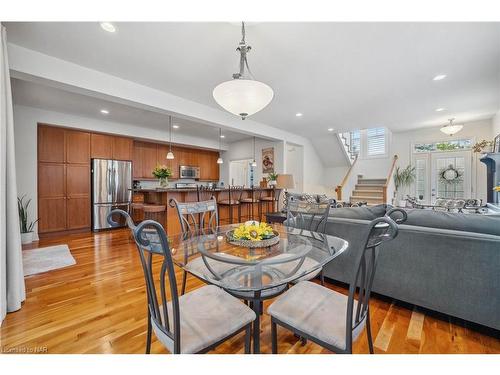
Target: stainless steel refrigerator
{"x":111,"y":188}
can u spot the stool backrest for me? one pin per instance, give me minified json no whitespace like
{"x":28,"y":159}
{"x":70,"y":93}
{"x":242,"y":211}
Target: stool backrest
{"x":196,"y":215}
{"x":380,"y":230}
{"x":205,"y":193}
{"x":150,"y":238}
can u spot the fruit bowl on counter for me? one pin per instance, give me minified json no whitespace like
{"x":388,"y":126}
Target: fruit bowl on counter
{"x":253,"y":234}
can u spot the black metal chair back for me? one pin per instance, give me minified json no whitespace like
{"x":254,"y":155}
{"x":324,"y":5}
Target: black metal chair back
{"x":306,"y":212}
{"x":194,"y":216}
{"x":205,"y":193}
{"x":150,"y":238}
{"x":381,"y":230}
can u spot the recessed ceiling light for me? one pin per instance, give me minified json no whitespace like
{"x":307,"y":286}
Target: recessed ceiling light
{"x":440,"y":109}
{"x":175,"y":126}
{"x":223,"y":136}
{"x":331,"y":129}
{"x":439,"y":77}
{"x":298,"y":114}
{"x":108,"y":26}
{"x":104,"y":111}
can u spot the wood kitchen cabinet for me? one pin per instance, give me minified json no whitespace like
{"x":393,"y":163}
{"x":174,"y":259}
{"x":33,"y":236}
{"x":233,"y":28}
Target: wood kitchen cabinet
{"x":101,"y":146}
{"x":111,"y":147}
{"x":144,"y":159}
{"x":122,"y":148}
{"x":63,"y":179}
{"x":173,"y":164}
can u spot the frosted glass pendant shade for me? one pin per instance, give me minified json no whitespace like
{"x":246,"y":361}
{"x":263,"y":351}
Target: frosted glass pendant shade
{"x":170,"y":155}
{"x":220,"y":161}
{"x":451,"y":129}
{"x":254,"y":163}
{"x":243,"y":97}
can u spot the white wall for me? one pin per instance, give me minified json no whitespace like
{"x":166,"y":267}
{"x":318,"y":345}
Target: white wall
{"x":243,"y":150}
{"x":25,"y":133}
{"x":496,"y":124}
{"x":294,"y":165}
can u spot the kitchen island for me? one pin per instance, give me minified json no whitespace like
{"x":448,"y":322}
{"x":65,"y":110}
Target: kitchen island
{"x":162,"y":196}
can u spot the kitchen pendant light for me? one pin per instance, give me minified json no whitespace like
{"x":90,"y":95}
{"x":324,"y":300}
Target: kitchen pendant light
{"x":170,"y":155}
{"x":254,"y":163}
{"x":219,"y":160}
{"x":451,"y":129}
{"x":243,"y":95}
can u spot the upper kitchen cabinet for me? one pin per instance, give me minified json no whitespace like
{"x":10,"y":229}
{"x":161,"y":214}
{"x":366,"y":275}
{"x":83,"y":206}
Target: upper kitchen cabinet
{"x":173,"y":164}
{"x":122,"y":148}
{"x":77,"y":147}
{"x":51,"y":142}
{"x":145,"y":156}
{"x":102,"y":146}
{"x":111,"y":147}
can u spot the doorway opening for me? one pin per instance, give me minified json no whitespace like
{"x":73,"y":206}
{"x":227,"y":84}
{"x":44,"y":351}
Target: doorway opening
{"x":241,"y":172}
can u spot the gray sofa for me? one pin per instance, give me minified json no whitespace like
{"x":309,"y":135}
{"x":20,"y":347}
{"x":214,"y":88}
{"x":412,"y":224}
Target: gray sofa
{"x":442,"y":261}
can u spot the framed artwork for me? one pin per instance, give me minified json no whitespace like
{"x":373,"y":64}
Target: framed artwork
{"x":496,"y":144}
{"x":268,"y":160}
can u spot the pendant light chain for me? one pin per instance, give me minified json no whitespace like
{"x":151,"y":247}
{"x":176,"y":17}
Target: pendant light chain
{"x":170,"y":154}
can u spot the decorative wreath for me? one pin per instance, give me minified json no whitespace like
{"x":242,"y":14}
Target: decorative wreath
{"x":450,"y":175}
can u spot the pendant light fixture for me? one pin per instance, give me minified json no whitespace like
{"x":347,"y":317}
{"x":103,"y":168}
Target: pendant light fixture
{"x":451,"y":129}
{"x":170,"y":155}
{"x":219,"y":160}
{"x":243,"y":95}
{"x":254,"y":163}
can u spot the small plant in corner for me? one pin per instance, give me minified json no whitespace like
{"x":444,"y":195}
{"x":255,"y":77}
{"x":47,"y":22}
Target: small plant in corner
{"x":26,"y":226}
{"x":272,"y":178}
{"x":403,"y":179}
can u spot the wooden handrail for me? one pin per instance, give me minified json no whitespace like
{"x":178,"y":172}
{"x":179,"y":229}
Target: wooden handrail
{"x":338,"y":189}
{"x":389,"y":176}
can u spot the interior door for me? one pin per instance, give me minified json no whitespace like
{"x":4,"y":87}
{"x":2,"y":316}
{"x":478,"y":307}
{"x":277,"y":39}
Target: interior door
{"x":458,"y":160}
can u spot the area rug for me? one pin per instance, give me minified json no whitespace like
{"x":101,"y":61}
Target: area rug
{"x":46,"y":259}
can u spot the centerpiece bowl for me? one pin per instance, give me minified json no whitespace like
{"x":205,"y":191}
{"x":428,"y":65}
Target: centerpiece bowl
{"x":253,"y":234}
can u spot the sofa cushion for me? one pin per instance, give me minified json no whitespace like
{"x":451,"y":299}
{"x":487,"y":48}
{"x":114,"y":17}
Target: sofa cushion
{"x":360,"y":213}
{"x":487,"y":224}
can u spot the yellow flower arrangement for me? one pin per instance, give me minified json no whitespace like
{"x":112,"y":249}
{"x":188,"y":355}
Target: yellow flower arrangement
{"x":497,"y":188}
{"x":253,"y":231}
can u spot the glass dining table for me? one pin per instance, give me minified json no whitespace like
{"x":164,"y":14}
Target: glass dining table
{"x":254,"y":274}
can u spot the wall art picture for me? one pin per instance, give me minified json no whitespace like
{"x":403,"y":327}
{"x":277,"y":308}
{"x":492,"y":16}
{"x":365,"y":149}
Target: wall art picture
{"x":268,"y":160}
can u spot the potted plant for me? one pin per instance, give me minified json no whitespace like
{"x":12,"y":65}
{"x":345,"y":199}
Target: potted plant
{"x":25,"y":225}
{"x":403,"y":179}
{"x":162,"y":172}
{"x":272,"y":178}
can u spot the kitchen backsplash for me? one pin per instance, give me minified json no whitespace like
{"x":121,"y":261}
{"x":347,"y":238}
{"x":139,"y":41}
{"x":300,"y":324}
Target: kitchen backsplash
{"x":151,"y":184}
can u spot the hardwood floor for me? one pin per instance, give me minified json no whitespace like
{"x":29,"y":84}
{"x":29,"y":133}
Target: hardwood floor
{"x":99,"y":306}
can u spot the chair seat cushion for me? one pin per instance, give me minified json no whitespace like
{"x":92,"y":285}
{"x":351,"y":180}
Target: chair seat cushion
{"x":317,"y":311}
{"x":207,"y":315}
{"x":227,"y":202}
{"x":198,"y":267}
{"x":308,"y":264}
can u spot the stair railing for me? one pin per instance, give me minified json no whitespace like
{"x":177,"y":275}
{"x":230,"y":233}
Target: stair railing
{"x":389,"y":178}
{"x":339,"y":188}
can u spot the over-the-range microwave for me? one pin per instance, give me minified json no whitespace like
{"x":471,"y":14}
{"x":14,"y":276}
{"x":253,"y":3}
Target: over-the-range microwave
{"x":189,"y":172}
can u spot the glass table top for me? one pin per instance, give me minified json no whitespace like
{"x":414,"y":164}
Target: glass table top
{"x":208,"y":255}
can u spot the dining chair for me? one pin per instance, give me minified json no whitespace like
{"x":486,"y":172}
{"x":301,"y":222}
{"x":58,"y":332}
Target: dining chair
{"x":196,"y":322}
{"x":311,"y":214}
{"x":195,"y":216}
{"x":329,"y":318}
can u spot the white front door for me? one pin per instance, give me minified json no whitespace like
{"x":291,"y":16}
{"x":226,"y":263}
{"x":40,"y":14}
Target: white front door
{"x":459,"y":161}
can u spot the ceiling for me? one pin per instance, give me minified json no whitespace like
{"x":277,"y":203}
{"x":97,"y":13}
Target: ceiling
{"x":49,"y":98}
{"x":339,"y":75}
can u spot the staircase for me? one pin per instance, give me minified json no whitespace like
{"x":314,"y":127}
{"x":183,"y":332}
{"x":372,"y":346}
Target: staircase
{"x":345,"y":139}
{"x":369,"y":190}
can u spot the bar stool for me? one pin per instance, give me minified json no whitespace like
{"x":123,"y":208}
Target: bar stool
{"x":234,"y":194}
{"x":156,"y":212}
{"x":137,"y":212}
{"x":271,"y":201}
{"x":204,"y":193}
{"x":249,"y":203}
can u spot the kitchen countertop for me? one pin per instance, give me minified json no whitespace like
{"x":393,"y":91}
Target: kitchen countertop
{"x":176,"y":190}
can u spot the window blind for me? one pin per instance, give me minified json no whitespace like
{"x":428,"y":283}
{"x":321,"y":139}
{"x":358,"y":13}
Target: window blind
{"x":376,"y":141}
